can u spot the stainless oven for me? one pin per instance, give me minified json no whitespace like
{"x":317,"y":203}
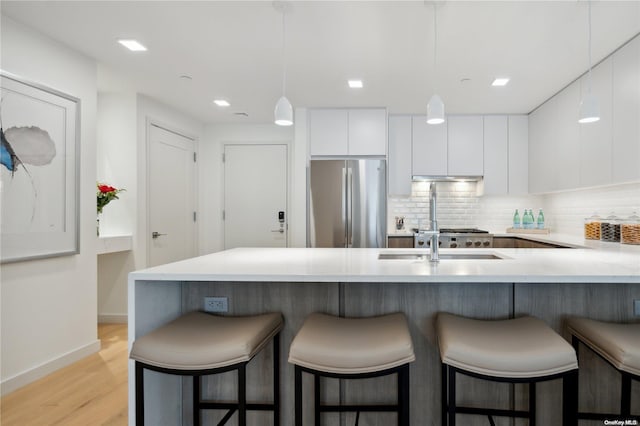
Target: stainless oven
{"x":455,"y":238}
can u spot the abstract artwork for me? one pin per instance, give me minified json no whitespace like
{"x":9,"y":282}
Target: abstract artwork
{"x":39,"y":165}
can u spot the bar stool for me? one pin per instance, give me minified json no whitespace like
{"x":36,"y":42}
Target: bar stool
{"x":353,"y":348}
{"x":521,"y":350}
{"x":619,"y":345}
{"x":199,"y":344}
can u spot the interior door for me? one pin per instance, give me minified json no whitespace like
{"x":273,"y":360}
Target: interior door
{"x":255,"y":196}
{"x":171,"y":203}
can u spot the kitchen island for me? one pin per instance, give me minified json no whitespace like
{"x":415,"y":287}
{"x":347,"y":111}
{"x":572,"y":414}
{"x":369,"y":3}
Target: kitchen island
{"x":601,"y":283}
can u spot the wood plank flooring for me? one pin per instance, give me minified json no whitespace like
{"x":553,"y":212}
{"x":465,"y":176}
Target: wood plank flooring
{"x":92,"y":391}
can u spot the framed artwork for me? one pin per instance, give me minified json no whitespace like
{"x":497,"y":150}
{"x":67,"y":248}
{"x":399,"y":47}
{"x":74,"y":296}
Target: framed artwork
{"x":39,"y":166}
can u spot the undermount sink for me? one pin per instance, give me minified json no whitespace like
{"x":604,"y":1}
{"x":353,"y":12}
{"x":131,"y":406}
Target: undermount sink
{"x":448,"y":256}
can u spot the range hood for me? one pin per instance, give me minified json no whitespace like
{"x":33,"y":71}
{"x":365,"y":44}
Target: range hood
{"x":422,"y":178}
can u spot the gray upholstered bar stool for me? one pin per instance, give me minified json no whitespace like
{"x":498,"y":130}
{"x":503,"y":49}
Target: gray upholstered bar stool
{"x":353,"y":348}
{"x":520,"y":350}
{"x":619,"y":345}
{"x":199,"y":344}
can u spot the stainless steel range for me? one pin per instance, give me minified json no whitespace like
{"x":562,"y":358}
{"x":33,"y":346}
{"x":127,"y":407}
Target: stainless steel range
{"x":455,"y":238}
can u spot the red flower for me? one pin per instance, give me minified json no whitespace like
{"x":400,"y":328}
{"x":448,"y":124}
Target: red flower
{"x":106,"y":188}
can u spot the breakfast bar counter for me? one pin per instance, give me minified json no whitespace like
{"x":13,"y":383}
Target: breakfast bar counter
{"x":600,"y":282}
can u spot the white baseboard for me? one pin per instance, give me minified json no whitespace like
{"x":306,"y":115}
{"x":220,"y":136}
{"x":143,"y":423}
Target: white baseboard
{"x":112,"y":318}
{"x":13,"y":383}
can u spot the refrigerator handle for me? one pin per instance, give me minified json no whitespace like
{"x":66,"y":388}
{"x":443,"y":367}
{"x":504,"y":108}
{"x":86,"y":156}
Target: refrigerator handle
{"x":344,"y":197}
{"x":349,"y":207}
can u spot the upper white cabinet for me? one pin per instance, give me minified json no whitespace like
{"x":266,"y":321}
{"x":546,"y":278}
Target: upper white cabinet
{"x":328,"y":132}
{"x":400,"y":155}
{"x":465,"y":145}
{"x":367,"y":132}
{"x":518,"y":154}
{"x":564,"y":154}
{"x":595,"y":138}
{"x":506,"y":158}
{"x":429,"y":148}
{"x":496,"y":151}
{"x":626,"y":113}
{"x":554,"y":150}
{"x":340,"y":132}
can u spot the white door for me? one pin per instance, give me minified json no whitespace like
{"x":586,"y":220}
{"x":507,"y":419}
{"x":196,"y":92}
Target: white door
{"x":171,"y":203}
{"x":255,"y":196}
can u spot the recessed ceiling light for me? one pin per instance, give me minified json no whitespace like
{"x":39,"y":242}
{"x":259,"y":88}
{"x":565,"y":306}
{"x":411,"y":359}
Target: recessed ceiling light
{"x":355,"y":84}
{"x":500,"y":82}
{"x":221,"y":102}
{"x":133,"y":45}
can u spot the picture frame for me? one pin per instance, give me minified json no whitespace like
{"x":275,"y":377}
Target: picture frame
{"x":39,"y":171}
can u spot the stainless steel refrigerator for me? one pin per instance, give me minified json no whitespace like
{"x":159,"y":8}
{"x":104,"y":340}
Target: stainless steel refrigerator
{"x":347,"y":203}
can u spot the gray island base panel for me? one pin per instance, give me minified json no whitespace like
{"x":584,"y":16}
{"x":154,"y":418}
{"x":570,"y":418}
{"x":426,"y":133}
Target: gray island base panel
{"x":153,"y":302}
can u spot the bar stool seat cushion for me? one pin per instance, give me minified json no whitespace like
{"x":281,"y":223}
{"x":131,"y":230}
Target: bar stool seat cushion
{"x":517,"y":348}
{"x":352,"y":345}
{"x":617,"y":343}
{"x":201,"y":341}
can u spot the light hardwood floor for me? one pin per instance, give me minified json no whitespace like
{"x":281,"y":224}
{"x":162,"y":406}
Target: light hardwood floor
{"x":92,"y":391}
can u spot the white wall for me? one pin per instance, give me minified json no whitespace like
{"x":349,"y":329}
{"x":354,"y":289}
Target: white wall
{"x":211,"y":177}
{"x":49,"y":306}
{"x":116,"y":165}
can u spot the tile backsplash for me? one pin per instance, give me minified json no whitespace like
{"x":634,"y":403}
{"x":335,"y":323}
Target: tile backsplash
{"x":460,"y":206}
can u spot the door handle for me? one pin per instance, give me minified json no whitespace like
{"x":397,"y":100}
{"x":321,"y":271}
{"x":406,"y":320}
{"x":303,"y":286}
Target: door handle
{"x":281,"y":230}
{"x":156,"y":234}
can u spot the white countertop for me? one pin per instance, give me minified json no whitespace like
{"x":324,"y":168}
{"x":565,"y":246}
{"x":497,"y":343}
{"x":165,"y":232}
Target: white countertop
{"x":608,"y":262}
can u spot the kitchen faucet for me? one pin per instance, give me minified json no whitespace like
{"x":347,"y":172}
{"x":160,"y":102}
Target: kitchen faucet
{"x":433,"y":231}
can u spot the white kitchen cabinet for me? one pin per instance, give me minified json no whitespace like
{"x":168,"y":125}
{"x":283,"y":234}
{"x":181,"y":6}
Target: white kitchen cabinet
{"x":341,"y":132}
{"x":518,"y":158}
{"x":465,"y":145}
{"x":554,"y":150}
{"x":367,"y":131}
{"x":626,"y":113}
{"x":400,"y":155}
{"x":565,"y":153}
{"x":595,"y":138}
{"x":429,"y":147}
{"x":328,"y":132}
{"x":496,"y":172}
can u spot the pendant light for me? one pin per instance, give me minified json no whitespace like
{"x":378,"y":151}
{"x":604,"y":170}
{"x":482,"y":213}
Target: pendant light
{"x":283,"y":111}
{"x":435,"y":107}
{"x":589,"y":109}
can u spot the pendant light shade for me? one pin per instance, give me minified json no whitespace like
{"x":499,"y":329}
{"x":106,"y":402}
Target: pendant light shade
{"x":435,"y":110}
{"x":589,"y":109}
{"x":435,"y":107}
{"x":284,"y":112}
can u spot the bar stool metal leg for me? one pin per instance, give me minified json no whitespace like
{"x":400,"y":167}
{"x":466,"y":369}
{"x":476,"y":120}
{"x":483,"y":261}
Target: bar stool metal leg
{"x":452,"y":397}
{"x":625,"y":403}
{"x":196,"y":400}
{"x":298,"y":396}
{"x":276,"y":379}
{"x":403,"y":396}
{"x":316,"y":399}
{"x":242,"y":395}
{"x":139,"y":394}
{"x":532,"y":403}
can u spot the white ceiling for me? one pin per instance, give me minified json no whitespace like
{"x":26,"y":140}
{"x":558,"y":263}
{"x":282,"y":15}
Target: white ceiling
{"x":233,"y":50}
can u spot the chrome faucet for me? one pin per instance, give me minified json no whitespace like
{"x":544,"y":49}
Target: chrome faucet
{"x":433,"y":231}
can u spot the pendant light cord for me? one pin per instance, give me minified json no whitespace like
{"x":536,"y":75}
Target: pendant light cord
{"x":435,"y":43}
{"x":284,"y":58}
{"x":589,"y":4}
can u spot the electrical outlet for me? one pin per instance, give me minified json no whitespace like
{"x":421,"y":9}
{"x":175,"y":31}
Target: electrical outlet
{"x":636,"y":307}
{"x":216,"y":304}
